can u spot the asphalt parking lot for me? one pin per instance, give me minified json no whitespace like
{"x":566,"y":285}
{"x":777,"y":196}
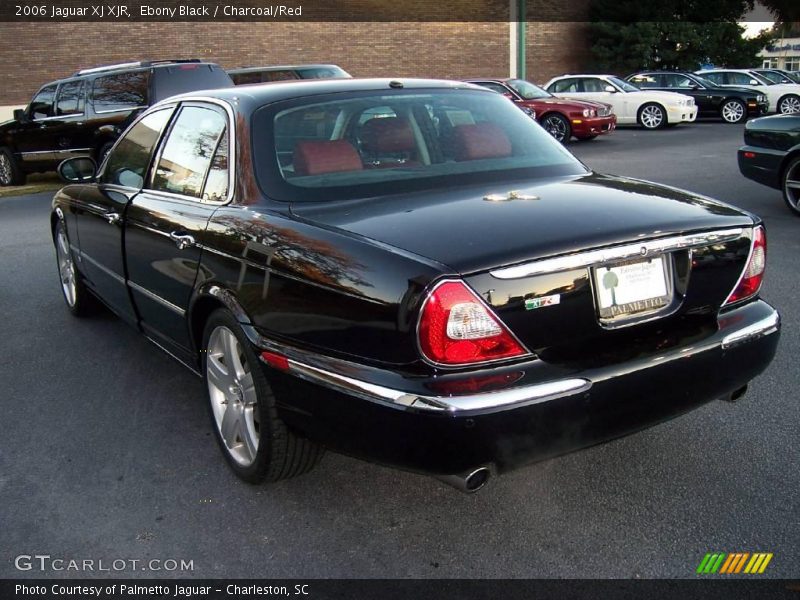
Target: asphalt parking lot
{"x":106,"y":451}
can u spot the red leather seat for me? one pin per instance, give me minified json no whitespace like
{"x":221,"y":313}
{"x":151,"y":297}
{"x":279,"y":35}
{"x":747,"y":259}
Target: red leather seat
{"x":320,"y":157}
{"x":481,"y":140}
{"x":388,"y":142}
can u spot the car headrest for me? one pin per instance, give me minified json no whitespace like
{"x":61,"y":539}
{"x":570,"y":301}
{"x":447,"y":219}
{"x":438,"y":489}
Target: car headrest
{"x":319,"y":157}
{"x":481,"y":140}
{"x":388,"y":134}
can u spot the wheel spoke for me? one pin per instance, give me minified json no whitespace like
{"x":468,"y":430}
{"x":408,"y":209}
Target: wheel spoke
{"x":62,"y":243}
{"x":231,"y":424}
{"x":248,"y":390}
{"x":793,"y":183}
{"x":217,"y":374}
{"x":231,"y":352}
{"x":249,"y":438}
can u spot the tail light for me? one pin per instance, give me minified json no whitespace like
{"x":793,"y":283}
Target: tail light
{"x":457,"y":328}
{"x":750,"y":280}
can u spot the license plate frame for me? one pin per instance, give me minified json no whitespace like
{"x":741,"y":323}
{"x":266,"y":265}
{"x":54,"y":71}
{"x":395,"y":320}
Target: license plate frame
{"x":638,"y":287}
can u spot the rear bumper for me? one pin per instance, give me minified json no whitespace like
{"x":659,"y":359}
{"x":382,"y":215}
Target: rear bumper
{"x":387,"y":418}
{"x":761,"y":164}
{"x":583,"y":127}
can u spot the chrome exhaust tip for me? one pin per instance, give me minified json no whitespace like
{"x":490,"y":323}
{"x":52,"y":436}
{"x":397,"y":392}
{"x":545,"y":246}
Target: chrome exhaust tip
{"x":469,"y":482}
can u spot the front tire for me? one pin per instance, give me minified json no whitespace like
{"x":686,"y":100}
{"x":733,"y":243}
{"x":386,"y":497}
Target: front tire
{"x":791,"y":186}
{"x":789,"y":105}
{"x":256,"y":443}
{"x":78,"y":299}
{"x":652,"y":116}
{"x":557,"y":126}
{"x":733,"y":111}
{"x":10,"y":171}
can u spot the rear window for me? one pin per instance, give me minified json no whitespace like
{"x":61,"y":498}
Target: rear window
{"x":366,"y":143}
{"x":123,"y":91}
{"x":189,"y":77}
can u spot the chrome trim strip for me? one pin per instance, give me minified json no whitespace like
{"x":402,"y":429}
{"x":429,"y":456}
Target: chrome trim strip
{"x":174,"y":308}
{"x":532,"y":394}
{"x":590,"y":258}
{"x":766,"y":326}
{"x":103,"y":268}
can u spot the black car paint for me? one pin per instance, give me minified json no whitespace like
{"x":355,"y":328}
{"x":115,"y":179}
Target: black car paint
{"x":709,"y":99}
{"x":772,"y":141}
{"x":329,"y":288}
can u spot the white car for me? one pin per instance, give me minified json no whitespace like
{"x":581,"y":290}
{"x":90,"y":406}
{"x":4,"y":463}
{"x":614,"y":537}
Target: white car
{"x":783,"y":98}
{"x":649,"y":108}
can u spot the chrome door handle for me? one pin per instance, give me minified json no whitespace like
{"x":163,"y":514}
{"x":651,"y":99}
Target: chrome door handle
{"x":181,"y":240}
{"x":112,"y":218}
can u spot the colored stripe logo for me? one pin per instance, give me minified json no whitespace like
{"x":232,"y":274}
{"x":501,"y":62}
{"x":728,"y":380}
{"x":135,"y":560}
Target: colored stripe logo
{"x":734,"y":563}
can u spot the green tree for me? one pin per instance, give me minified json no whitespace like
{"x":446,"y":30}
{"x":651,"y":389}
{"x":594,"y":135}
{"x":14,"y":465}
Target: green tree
{"x":674,"y":34}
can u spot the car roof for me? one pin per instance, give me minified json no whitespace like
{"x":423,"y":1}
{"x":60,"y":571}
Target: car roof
{"x":124,"y":68}
{"x":584,"y":75}
{"x":264,"y":93}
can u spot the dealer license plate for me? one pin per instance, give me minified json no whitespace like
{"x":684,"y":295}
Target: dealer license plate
{"x":632,"y":287}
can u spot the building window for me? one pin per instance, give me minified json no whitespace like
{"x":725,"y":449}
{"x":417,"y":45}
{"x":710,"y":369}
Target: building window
{"x":770,"y":63}
{"x":793,"y":63}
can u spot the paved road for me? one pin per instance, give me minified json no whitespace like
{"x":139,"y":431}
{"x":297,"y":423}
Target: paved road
{"x":106,"y":453}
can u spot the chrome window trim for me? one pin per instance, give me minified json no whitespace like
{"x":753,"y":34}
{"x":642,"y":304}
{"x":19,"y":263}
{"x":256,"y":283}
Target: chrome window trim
{"x":589,"y":258}
{"x":116,"y":110}
{"x":231,"y":128}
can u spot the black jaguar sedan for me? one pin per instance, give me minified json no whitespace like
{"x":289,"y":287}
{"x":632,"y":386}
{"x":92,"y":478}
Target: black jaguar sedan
{"x":412,"y":272}
{"x":771,"y":155}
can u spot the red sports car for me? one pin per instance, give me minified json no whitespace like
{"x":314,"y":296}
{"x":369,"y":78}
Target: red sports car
{"x":561,"y":117}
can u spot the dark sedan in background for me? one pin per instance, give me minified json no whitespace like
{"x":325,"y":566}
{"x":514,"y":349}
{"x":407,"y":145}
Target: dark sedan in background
{"x":732,"y":105}
{"x":394,"y":269}
{"x":563,"y":118}
{"x":771,"y":155}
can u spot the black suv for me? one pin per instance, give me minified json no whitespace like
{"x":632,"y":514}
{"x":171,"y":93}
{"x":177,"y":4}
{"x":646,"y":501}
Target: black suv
{"x":85,"y":113}
{"x":247,"y":75}
{"x":733,"y":105}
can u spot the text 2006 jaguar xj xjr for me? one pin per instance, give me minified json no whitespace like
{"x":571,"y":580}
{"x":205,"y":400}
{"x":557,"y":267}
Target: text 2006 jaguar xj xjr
{"x":412,"y":272}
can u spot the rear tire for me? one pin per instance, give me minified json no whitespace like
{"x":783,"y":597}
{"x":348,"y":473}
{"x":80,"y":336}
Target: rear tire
{"x":652,"y":116}
{"x":78,"y":299}
{"x":256,"y":443}
{"x":791,"y":186}
{"x":733,"y":111}
{"x":789,"y":105}
{"x":586,"y":138}
{"x":10,"y":171}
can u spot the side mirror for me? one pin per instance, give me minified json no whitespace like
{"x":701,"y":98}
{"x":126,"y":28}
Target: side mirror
{"x":754,"y":82}
{"x":20,"y":115}
{"x":610,"y":89}
{"x":508,"y":95}
{"x":81,"y":169}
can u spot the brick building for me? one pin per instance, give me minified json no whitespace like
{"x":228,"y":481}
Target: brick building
{"x":35,"y":53}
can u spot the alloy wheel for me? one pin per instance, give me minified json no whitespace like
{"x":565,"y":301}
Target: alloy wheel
{"x":232,"y":394}
{"x":791,"y":186}
{"x":556,"y":126}
{"x":6,"y":172}
{"x":789,"y":105}
{"x":732,"y":111}
{"x":652,"y":117}
{"x":66,"y":268}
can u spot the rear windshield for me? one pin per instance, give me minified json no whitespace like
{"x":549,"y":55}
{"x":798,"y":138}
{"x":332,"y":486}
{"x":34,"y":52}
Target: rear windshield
{"x":362,"y":144}
{"x":189,"y":77}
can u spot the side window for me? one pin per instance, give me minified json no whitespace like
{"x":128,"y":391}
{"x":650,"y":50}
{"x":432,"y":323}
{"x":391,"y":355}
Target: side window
{"x":676,"y":81}
{"x":645,"y":81}
{"x":738,"y":79}
{"x":495,"y":87}
{"x":246,"y":78}
{"x":216,"y":188}
{"x":718,"y":78}
{"x":187,"y":154}
{"x":123,"y":91}
{"x":565,"y":86}
{"x":594,"y":85}
{"x":70,"y":98}
{"x":278,"y":75}
{"x":127,"y":164}
{"x":42,"y":103}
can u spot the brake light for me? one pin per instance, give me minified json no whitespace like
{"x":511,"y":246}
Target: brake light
{"x":457,"y":328}
{"x":750,"y":280}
